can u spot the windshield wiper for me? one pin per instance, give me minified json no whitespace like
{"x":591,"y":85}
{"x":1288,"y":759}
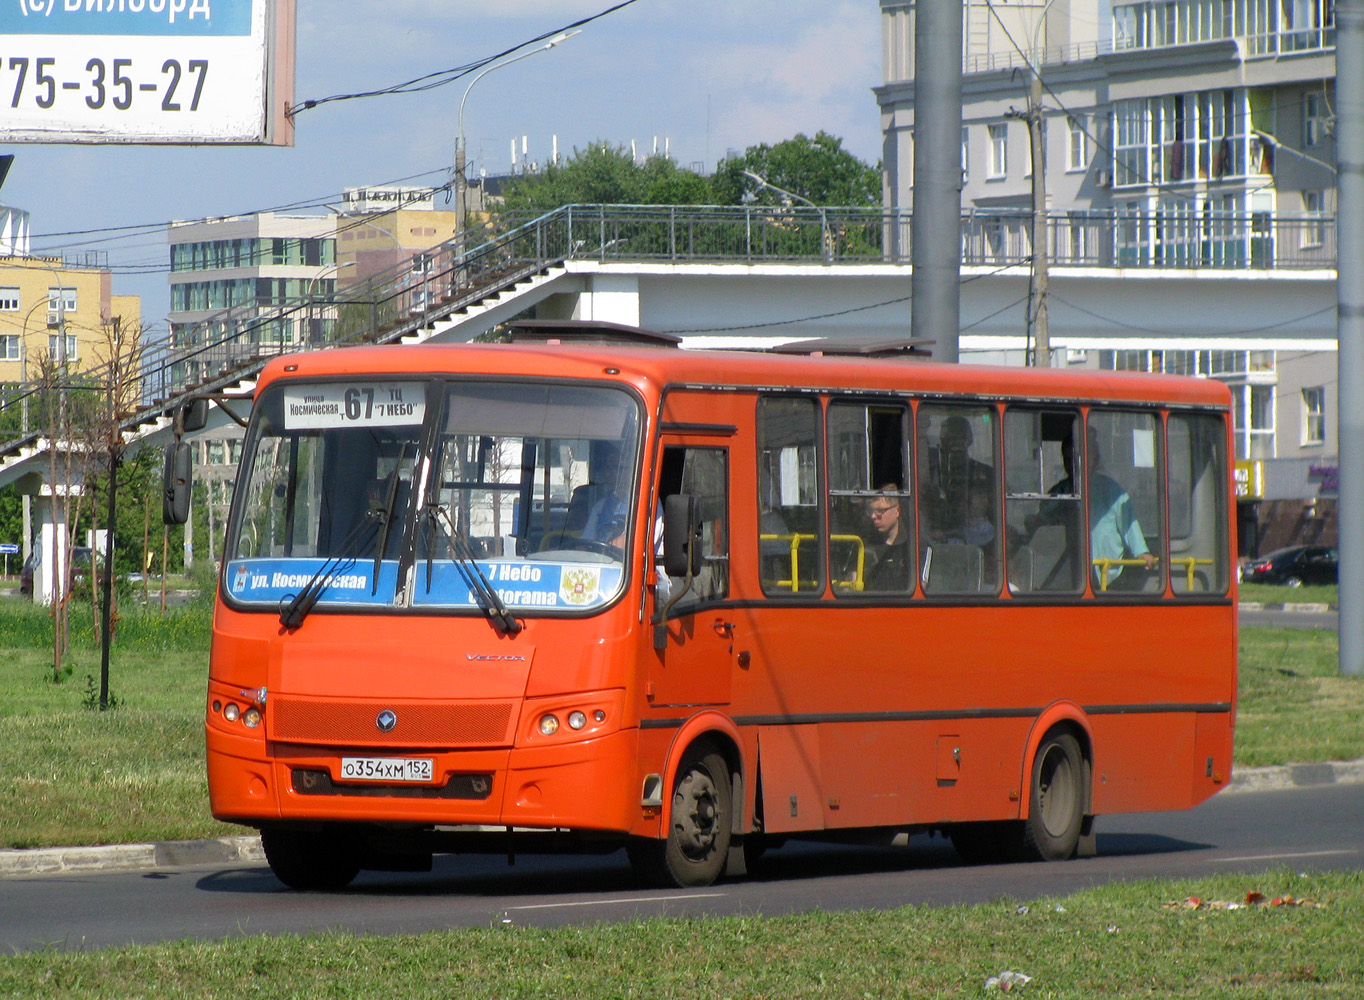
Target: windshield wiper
{"x":480,"y":587}
{"x":385,"y":516}
{"x":291,"y":615}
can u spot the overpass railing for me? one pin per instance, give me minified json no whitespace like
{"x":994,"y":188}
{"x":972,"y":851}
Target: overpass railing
{"x":431,"y":285}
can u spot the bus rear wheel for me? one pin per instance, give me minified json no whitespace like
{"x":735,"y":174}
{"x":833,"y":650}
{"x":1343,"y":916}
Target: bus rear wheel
{"x":697,"y":845}
{"x":310,"y":859}
{"x":1056,"y":806}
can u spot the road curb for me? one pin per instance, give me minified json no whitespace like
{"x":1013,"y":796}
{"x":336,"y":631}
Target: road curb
{"x":1299,"y":607}
{"x":1261,"y":779}
{"x":247,"y":848}
{"x":129,"y":857}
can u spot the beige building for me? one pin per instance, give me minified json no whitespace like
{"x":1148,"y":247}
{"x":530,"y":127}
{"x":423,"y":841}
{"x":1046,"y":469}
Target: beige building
{"x":50,"y":310}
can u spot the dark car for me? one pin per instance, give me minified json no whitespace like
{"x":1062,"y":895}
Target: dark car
{"x":80,"y":565}
{"x":1295,"y":566}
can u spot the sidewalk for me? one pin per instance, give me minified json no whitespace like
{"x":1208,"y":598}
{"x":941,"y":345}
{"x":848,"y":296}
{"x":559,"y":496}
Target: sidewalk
{"x":246,"y":849}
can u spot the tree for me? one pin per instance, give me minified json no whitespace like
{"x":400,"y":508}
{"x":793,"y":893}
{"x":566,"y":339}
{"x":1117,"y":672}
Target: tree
{"x":819,"y":169}
{"x":602,"y":174}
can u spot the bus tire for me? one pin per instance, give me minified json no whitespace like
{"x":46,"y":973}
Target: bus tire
{"x":321,"y":861}
{"x":1056,"y":805}
{"x":697,"y":843}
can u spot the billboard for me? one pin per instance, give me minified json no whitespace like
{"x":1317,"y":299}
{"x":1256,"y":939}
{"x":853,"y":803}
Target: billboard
{"x":146,"y":71}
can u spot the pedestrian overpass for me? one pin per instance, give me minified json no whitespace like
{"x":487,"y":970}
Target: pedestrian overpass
{"x":731,"y":277}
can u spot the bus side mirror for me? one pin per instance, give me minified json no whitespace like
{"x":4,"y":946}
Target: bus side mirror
{"x":194,"y":415}
{"x":176,"y":480}
{"x":681,"y":535}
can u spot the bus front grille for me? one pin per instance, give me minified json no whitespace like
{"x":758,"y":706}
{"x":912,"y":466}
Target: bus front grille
{"x":358,"y":723}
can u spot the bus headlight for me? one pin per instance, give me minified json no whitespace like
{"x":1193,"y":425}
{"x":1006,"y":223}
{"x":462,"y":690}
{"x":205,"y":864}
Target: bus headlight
{"x":576,"y":720}
{"x":549,"y":725}
{"x":251,"y":717}
{"x":231,"y":712}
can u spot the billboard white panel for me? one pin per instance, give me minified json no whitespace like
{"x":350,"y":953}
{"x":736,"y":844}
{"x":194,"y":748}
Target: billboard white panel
{"x":150,"y":71}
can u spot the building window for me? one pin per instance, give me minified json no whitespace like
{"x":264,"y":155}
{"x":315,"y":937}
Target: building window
{"x":1314,"y":221}
{"x":1314,"y":415}
{"x":9,"y":299}
{"x":54,"y":346}
{"x":965,"y":153}
{"x":1315,"y":117}
{"x":1079,"y":144}
{"x":999,"y":150}
{"x":9,"y":347}
{"x":61,"y":300}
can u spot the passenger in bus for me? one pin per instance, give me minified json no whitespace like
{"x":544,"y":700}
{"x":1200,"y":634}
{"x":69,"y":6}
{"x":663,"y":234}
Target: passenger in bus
{"x":964,"y":511}
{"x":1114,"y":531}
{"x":890,"y":571}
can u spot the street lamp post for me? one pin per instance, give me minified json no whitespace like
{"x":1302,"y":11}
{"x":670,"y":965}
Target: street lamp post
{"x":460,"y":182}
{"x":823,"y":217}
{"x":308,"y":295}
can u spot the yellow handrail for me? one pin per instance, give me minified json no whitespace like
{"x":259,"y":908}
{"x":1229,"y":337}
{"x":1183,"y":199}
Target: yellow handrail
{"x":795,"y":541}
{"x":1188,"y":562}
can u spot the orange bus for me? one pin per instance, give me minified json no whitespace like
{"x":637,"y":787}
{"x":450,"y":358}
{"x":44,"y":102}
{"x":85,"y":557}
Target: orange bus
{"x":577,"y":596}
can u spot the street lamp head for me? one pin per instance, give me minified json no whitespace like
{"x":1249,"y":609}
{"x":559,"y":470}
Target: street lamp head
{"x":565,"y":36}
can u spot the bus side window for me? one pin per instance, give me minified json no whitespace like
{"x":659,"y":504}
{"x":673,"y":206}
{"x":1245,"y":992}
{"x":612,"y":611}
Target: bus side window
{"x":1042,"y":502}
{"x":1199,"y":557}
{"x":958,"y":499}
{"x":871,"y":523}
{"x":1124,"y":501}
{"x":702,"y":473}
{"x":790,"y":522}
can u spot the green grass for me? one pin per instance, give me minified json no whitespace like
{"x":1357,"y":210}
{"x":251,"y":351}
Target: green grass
{"x":1294,"y":707}
{"x":1269,"y":593}
{"x":1122,"y":940}
{"x":73,"y":776}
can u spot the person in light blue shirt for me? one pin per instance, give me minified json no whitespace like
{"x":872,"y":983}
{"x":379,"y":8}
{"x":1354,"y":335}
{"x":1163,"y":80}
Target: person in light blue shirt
{"x":1114,"y":531}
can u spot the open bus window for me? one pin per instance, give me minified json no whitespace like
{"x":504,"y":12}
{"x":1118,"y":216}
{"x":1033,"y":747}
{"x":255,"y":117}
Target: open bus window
{"x":1123,"y":500}
{"x":1199,"y":557}
{"x":958,"y":499}
{"x":702,"y":473}
{"x":790,"y":520}
{"x":1042,"y":503}
{"x":871,"y":524}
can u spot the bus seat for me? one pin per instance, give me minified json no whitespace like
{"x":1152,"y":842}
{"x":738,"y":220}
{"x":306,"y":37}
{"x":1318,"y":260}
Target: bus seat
{"x":1020,"y":570}
{"x":1048,"y":544}
{"x":954,"y":568}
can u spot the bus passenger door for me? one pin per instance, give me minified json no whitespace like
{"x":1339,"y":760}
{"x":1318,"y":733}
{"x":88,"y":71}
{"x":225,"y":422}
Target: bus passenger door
{"x":694,"y":640}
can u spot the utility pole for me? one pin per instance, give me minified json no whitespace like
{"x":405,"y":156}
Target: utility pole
{"x":1039,"y":332}
{"x":935,"y":239}
{"x":1350,"y":326}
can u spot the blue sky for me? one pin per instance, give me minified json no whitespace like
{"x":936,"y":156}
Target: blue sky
{"x":706,"y":75}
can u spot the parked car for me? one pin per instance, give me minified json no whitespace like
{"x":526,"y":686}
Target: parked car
{"x":1295,"y":566}
{"x":80,"y":566}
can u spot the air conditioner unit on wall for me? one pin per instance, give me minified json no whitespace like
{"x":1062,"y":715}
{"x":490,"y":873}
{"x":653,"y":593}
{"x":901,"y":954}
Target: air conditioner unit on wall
{"x":54,"y":318}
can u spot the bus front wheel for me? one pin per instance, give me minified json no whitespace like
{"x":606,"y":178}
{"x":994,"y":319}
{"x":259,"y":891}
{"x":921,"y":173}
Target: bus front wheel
{"x":308,"y":859}
{"x":697,"y":845}
{"x":1056,"y":807}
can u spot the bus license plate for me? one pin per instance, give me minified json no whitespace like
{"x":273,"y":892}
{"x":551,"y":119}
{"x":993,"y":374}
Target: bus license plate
{"x":387,"y":768}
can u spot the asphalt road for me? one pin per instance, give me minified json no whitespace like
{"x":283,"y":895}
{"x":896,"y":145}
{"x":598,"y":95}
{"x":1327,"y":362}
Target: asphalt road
{"x":1305,"y":828}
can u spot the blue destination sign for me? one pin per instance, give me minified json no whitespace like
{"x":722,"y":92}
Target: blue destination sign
{"x":126,"y":17}
{"x":523,"y":585}
{"x":9,"y":549}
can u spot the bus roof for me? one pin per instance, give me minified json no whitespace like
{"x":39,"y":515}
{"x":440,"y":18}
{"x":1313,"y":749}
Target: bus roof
{"x":644,"y":366}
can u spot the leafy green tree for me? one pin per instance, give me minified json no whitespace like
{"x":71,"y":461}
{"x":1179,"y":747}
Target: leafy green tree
{"x":819,"y":169}
{"x":605,"y":174}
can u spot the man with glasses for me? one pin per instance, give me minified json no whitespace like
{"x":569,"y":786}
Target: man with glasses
{"x":890,"y":571}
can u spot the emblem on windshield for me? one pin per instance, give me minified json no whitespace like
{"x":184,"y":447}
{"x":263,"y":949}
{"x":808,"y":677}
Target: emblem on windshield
{"x":386,"y":721}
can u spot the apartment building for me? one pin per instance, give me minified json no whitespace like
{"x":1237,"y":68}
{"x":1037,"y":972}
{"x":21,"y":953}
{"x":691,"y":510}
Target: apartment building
{"x":1190,"y":135}
{"x":51,"y":308}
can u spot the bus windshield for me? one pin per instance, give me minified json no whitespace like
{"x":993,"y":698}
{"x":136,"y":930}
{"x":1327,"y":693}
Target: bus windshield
{"x":472,"y":495}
